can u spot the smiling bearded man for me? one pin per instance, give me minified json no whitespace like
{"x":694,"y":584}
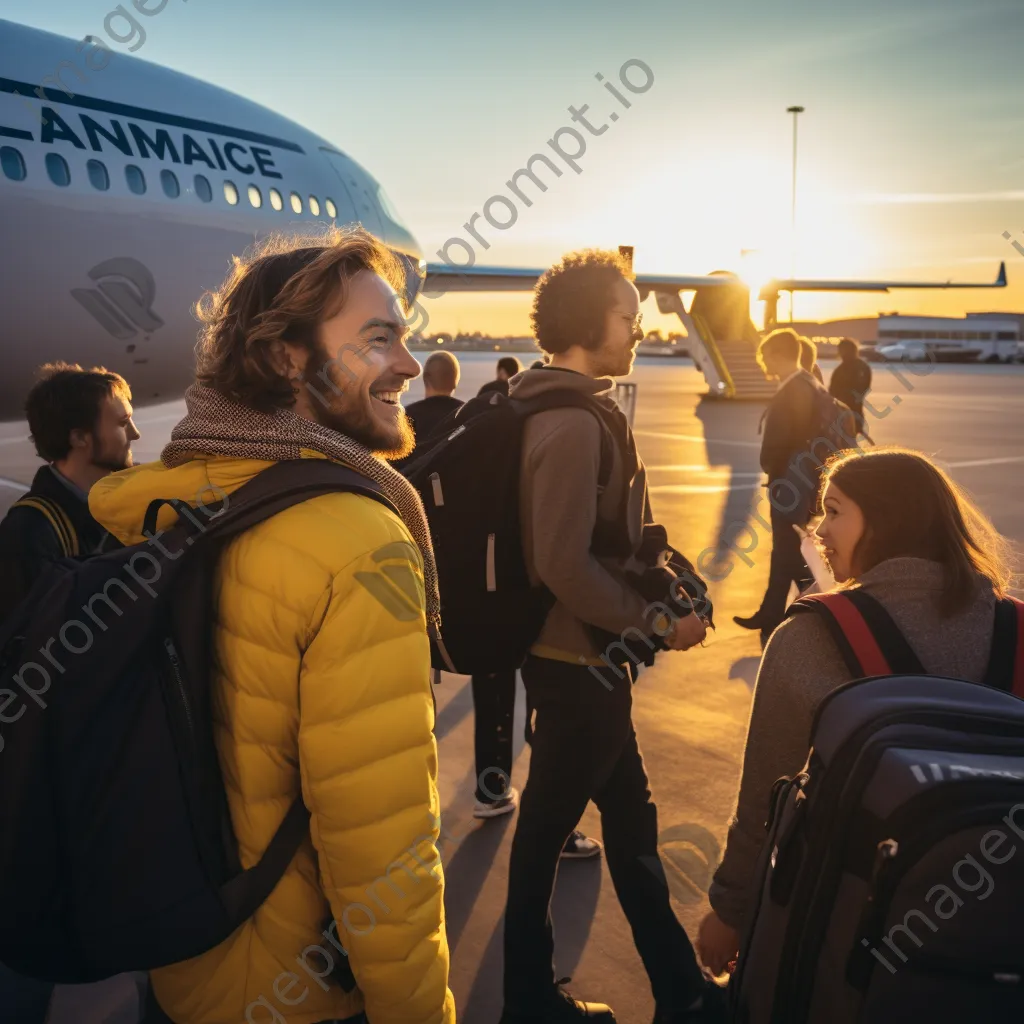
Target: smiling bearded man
{"x":320,"y":664}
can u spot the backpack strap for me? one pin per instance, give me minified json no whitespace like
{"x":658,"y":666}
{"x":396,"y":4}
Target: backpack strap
{"x":243,"y":895}
{"x":869,"y":640}
{"x":59,"y":520}
{"x":560,"y":399}
{"x":271,"y":491}
{"x":1005,"y":669}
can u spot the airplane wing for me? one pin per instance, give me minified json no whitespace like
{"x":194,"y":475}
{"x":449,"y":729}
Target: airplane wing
{"x":770,"y":292}
{"x":777,"y":285}
{"x":442,"y":278}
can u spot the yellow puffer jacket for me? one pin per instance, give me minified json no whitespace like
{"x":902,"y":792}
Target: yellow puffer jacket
{"x":322,"y":686}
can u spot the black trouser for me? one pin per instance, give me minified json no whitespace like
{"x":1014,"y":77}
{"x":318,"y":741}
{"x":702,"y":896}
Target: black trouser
{"x":787,"y":566}
{"x":494,"y":704}
{"x":584,"y":748}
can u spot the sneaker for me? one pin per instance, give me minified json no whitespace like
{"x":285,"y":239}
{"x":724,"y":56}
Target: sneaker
{"x":561,"y":1007}
{"x":580,"y":847}
{"x":496,"y":808}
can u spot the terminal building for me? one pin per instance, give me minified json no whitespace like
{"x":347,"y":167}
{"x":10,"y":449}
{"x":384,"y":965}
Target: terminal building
{"x":978,"y":337}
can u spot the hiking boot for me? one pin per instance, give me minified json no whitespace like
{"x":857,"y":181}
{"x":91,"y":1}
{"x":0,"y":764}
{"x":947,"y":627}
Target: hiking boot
{"x":559,"y":1007}
{"x":496,"y":808}
{"x":580,"y":847}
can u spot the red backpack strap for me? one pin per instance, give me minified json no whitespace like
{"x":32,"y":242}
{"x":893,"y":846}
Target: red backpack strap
{"x":1006,"y":662}
{"x":870,"y":642}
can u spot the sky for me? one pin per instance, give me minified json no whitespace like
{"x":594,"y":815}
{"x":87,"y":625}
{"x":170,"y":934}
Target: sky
{"x":910,"y":150}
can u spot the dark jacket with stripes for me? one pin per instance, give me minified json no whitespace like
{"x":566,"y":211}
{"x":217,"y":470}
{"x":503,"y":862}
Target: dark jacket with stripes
{"x":48,"y":523}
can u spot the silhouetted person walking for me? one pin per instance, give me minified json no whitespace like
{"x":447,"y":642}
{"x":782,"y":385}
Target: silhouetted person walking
{"x":809,"y":359}
{"x":508,"y":366}
{"x":851,"y":380}
{"x":788,"y":429}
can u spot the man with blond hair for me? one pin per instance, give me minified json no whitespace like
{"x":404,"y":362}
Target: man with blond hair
{"x":321,"y":667}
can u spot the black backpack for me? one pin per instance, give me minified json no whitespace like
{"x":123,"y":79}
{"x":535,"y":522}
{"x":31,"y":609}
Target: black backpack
{"x":116,"y":848}
{"x":468,"y":479}
{"x":884,"y":893}
{"x":834,"y":429}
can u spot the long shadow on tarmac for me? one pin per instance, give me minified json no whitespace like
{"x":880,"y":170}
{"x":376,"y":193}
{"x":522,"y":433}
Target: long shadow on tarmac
{"x":745,"y":669}
{"x":466,"y":874}
{"x":458,"y":708}
{"x":572,"y":909}
{"x":742,"y":489}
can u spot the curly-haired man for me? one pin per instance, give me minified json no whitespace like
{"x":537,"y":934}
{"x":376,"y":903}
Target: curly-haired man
{"x":586,"y":317}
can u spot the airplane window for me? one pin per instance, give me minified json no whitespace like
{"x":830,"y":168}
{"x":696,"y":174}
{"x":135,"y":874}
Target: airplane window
{"x":98,"y":175}
{"x":275,"y":199}
{"x":231,"y":193}
{"x":296,"y":202}
{"x":202,"y":187}
{"x":332,"y":210}
{"x":13,"y":163}
{"x":135,"y":178}
{"x":57,"y":169}
{"x":169,"y":181}
{"x":255,"y":197}
{"x":314,"y":206}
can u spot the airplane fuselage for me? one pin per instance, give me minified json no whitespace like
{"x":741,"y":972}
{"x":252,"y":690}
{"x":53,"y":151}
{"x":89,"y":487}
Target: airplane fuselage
{"x":124,"y":193}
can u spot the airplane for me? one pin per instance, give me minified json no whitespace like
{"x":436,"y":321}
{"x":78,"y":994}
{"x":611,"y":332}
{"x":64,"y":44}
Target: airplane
{"x":126,"y":188}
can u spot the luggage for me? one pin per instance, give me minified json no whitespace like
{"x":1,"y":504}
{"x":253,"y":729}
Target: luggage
{"x":891,"y":887}
{"x":468,"y":479}
{"x":116,"y":849}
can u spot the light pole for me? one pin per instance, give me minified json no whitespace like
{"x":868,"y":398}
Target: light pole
{"x":796,"y":112}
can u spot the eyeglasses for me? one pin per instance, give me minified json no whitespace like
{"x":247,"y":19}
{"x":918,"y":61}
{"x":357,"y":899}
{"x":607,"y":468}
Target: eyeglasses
{"x":635,"y":322}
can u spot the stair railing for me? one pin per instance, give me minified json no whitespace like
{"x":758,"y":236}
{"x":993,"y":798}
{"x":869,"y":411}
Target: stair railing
{"x":702,"y":347}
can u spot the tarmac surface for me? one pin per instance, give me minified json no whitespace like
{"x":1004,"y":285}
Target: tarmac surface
{"x":691,"y":708}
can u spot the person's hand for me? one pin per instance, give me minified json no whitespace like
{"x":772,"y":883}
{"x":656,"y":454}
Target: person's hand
{"x":718,"y":945}
{"x":687,"y":632}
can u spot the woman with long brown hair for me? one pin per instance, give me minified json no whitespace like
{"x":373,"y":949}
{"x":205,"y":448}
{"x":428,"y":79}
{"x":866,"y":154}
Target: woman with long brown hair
{"x":897,"y":526}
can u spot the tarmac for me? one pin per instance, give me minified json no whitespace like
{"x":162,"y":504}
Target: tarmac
{"x":691,"y":708}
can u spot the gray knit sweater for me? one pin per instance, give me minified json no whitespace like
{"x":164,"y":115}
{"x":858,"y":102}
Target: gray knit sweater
{"x":801,"y":664}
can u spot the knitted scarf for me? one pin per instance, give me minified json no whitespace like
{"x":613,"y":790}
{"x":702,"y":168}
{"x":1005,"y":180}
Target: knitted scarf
{"x":215,"y":425}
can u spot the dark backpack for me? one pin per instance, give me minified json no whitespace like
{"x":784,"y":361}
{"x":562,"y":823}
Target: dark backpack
{"x":834,"y":423}
{"x":468,"y":479}
{"x":833,"y":429}
{"x":116,"y":848}
{"x":868,"y":906}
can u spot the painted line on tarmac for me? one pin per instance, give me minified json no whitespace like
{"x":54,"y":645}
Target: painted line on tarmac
{"x":701,"y":488}
{"x":697,"y":438}
{"x":13,"y":484}
{"x":703,"y":469}
{"x":756,"y":477}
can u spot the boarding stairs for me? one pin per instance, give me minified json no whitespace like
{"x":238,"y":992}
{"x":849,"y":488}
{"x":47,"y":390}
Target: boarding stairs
{"x":730,"y":367}
{"x":740,"y":361}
